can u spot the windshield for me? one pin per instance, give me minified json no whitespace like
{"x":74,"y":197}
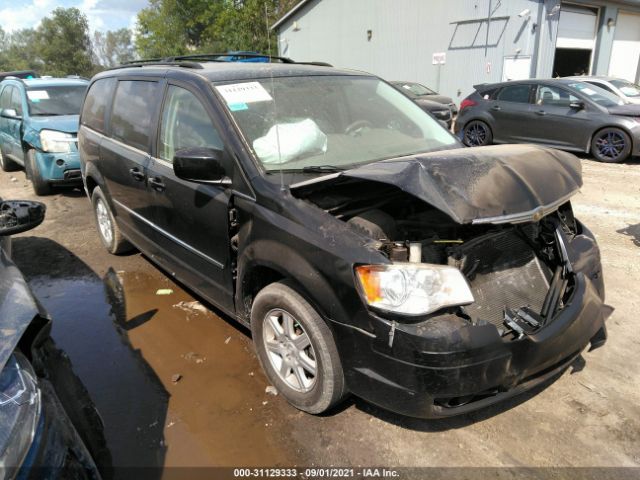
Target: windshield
{"x":330,"y":122}
{"x":417,"y":89}
{"x":61,"y":100}
{"x":629,"y":89}
{"x":597,"y":94}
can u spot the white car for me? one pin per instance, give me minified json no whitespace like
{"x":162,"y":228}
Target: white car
{"x":628,"y":91}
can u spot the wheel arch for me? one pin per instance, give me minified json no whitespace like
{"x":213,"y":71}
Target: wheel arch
{"x":257,"y":269}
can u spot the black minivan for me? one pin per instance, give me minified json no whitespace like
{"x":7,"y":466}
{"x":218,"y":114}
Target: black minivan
{"x":368,"y":251}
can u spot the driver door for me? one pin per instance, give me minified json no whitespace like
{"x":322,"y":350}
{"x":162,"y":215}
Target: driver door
{"x":192,"y":219}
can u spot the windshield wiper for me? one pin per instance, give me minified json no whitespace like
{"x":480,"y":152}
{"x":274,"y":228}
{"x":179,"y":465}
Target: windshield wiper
{"x":321,"y":169}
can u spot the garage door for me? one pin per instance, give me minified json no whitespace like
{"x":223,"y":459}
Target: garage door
{"x":576,"y":40}
{"x":625,"y":54}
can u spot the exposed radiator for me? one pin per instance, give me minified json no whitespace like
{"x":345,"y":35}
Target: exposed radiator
{"x":504,"y":272}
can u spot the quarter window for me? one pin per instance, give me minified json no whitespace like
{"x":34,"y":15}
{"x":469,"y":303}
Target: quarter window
{"x":95,"y":105}
{"x":133,"y":112}
{"x":515,"y":93}
{"x":185,"y":123}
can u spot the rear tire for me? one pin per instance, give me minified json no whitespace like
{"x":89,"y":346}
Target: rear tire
{"x":108,"y":229}
{"x":611,"y":145}
{"x":7,"y":165}
{"x":296,"y":349}
{"x":40,"y":185}
{"x":477,"y":133}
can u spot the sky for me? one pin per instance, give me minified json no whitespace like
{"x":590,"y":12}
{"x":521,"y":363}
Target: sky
{"x":102,"y":14}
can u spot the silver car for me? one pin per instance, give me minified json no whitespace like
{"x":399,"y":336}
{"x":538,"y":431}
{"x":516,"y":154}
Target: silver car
{"x":561,"y":113}
{"x":628,"y":91}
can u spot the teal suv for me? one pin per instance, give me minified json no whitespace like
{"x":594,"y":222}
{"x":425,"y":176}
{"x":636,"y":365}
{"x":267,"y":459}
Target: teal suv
{"x":38,"y":129}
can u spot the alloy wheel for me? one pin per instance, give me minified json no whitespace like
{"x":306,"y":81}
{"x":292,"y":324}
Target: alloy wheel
{"x":104,"y":221}
{"x":289,"y":350}
{"x":475,"y":134}
{"x":611,"y":145}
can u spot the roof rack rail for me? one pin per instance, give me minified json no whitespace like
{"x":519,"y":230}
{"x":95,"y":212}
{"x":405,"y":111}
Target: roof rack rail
{"x":158,"y":62}
{"x":215,"y":57}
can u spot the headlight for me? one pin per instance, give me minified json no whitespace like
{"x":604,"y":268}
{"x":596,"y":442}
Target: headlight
{"x":56,"y":142}
{"x":413,"y":289}
{"x":19,"y":411}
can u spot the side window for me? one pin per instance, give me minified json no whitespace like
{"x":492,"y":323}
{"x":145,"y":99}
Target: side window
{"x":133,"y":111}
{"x":95,"y":105}
{"x":515,"y":93}
{"x":16,"y":100}
{"x":554,"y":96}
{"x":5,"y":97}
{"x":185,"y":123}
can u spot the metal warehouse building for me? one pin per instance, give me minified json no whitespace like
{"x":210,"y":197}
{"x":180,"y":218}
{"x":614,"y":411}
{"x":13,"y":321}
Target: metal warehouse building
{"x":451,"y":45}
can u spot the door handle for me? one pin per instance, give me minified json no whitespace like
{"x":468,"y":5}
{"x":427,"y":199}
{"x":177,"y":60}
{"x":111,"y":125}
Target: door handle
{"x":496,"y":108}
{"x":541,"y":112}
{"x":136,"y":174}
{"x":157,"y":184}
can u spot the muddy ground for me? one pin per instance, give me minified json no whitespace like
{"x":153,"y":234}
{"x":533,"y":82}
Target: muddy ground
{"x":177,"y":384}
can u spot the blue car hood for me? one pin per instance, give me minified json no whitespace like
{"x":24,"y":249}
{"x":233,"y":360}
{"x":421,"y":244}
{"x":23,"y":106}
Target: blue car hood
{"x":62,"y":123}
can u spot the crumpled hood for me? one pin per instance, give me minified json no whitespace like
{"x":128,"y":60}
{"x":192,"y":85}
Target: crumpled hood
{"x":18,"y":307}
{"x":438,"y":98}
{"x":62,"y":123}
{"x":496,"y":184}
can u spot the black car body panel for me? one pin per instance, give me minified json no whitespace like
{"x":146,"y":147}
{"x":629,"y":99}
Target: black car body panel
{"x":462,"y":183}
{"x":298,"y":227}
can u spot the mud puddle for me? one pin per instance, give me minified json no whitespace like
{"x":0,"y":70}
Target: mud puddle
{"x":175,"y":384}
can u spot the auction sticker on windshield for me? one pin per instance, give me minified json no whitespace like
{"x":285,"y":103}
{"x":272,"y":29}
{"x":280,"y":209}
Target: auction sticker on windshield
{"x":37,"y":95}
{"x":242,"y":93}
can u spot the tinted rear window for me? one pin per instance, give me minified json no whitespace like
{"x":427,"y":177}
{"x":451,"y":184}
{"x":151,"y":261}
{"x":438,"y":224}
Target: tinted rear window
{"x":515,"y":93}
{"x":134,"y":109}
{"x":95,"y":105}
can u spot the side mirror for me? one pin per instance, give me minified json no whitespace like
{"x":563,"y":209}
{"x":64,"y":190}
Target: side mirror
{"x":10,"y":113}
{"x":17,"y":216}
{"x":578,"y":105}
{"x":205,"y":165}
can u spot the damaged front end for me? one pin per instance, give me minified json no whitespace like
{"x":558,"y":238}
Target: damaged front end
{"x":521,"y":294}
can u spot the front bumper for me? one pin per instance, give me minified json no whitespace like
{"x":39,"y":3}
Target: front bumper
{"x":430,"y":372}
{"x":60,"y":168}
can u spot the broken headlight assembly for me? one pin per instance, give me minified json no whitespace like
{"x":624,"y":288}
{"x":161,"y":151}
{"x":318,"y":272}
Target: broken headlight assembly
{"x":412,"y":289}
{"x":19,"y":412}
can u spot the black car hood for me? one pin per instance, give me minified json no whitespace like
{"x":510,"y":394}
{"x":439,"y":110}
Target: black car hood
{"x":18,"y":307}
{"x":626,"y":110}
{"x":496,"y":184}
{"x":429,"y":104}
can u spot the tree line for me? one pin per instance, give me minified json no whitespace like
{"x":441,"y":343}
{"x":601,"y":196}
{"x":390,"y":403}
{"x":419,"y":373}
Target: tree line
{"x":63,"y":45}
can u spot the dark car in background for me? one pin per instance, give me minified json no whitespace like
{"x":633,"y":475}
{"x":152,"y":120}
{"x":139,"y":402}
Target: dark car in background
{"x":49,"y":427}
{"x":417,"y":91}
{"x":562,"y":113}
{"x":367,"y":250}
{"x":38,"y":130}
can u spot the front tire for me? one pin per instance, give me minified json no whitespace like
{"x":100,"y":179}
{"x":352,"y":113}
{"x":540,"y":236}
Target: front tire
{"x":40,"y":185}
{"x":108,"y":229}
{"x":611,"y":145}
{"x":477,"y":133}
{"x":296,"y":349}
{"x":7,"y":165}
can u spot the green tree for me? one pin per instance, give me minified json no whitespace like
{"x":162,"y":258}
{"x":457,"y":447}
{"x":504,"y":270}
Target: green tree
{"x":113,"y":47}
{"x":18,"y":51}
{"x":175,"y":27}
{"x":63,"y":44}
